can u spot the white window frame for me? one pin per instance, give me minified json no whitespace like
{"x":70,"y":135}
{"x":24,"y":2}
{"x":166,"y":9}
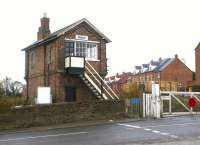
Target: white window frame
{"x":93,"y":42}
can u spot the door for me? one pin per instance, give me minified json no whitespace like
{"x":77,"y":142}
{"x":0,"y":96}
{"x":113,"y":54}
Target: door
{"x":70,"y":94}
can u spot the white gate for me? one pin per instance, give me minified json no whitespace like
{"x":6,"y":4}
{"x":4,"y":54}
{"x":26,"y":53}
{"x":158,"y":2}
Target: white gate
{"x":178,"y":96}
{"x":153,"y":104}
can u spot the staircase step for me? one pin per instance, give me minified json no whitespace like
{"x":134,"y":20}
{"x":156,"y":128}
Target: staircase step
{"x":86,"y":81}
{"x":99,"y":97}
{"x":83,"y":78}
{"x":94,"y":90}
{"x":89,"y":85}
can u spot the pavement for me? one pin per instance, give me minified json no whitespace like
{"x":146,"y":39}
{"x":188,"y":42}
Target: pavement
{"x":182,"y":130}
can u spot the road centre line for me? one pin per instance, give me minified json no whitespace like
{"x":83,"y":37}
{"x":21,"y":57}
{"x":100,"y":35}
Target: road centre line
{"x":164,"y":133}
{"x":173,"y":136}
{"x":177,"y":124}
{"x":147,"y":129}
{"x":127,"y":125}
{"x":156,"y":131}
{"x":43,"y":136}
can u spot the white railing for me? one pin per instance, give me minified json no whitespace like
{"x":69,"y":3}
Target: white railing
{"x":100,"y":82}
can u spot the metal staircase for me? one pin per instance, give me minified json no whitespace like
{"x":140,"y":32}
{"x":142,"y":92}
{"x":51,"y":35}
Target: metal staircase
{"x":96,"y":84}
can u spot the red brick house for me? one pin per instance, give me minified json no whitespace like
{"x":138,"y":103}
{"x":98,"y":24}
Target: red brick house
{"x":170,"y":73}
{"x":71,"y":61}
{"x":164,"y":71}
{"x":118,"y":81}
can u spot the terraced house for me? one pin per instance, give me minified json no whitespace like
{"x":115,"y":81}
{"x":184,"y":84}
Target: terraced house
{"x":170,"y":73}
{"x":71,"y":61}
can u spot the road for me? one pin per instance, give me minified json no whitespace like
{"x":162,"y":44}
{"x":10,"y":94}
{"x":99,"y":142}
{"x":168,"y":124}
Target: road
{"x":168,"y":131}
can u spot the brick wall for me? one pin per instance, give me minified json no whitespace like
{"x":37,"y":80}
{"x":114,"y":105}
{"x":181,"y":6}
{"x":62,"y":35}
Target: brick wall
{"x":42,"y":115}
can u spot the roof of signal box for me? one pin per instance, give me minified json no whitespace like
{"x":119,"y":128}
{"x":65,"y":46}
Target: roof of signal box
{"x":60,"y":32}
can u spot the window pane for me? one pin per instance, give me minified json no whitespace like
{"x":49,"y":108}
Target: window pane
{"x":69,"y":48}
{"x":85,"y":49}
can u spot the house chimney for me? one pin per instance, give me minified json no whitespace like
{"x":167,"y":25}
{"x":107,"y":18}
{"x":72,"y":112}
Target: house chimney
{"x":160,"y":59}
{"x":176,"y":55}
{"x":43,"y":30}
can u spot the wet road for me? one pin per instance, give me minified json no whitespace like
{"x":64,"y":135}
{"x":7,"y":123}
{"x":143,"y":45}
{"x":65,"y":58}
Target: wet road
{"x":162,"y":131}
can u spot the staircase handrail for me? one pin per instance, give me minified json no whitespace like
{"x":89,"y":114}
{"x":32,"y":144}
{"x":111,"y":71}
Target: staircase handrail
{"x":115,"y":95}
{"x":97,"y":81}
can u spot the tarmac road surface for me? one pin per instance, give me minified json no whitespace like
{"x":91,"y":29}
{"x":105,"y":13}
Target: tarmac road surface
{"x":184,"y":130}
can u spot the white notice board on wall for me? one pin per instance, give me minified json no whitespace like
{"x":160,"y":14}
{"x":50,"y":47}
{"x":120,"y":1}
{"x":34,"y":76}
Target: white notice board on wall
{"x":44,"y":95}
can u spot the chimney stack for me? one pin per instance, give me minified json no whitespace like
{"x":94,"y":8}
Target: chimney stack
{"x":176,"y":55}
{"x":44,"y":30}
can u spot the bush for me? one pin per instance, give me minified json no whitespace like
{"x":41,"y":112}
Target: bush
{"x":130,"y":91}
{"x":6,"y":103}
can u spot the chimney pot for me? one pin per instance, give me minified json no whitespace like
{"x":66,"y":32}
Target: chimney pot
{"x":45,"y":15}
{"x":176,"y":55}
{"x":43,"y":30}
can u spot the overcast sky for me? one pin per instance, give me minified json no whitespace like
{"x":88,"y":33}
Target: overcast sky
{"x":140,"y":30}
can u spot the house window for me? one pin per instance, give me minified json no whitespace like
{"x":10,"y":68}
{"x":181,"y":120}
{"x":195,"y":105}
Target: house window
{"x":88,"y":50}
{"x":50,"y":55}
{"x":32,"y":60}
{"x":69,"y":49}
{"x":84,"y":49}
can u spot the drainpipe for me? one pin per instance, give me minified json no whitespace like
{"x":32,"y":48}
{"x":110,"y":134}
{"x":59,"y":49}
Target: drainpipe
{"x":44,"y":65}
{"x":100,"y":68}
{"x":27,"y":78}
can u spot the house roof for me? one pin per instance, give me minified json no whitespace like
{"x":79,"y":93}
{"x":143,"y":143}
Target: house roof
{"x":163,"y":64}
{"x":156,"y":66}
{"x":119,"y":78}
{"x":138,"y":67}
{"x":145,"y":65}
{"x":198,"y":46}
{"x":60,"y":32}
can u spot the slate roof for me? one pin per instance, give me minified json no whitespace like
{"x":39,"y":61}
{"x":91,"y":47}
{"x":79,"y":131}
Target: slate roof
{"x":60,"y":32}
{"x":145,"y":65}
{"x":138,"y":67}
{"x":157,"y":65}
{"x":119,"y":78}
{"x":163,"y":64}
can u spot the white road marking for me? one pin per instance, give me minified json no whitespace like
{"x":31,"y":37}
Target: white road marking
{"x":181,"y":124}
{"x":147,"y":129}
{"x":164,"y":133}
{"x":155,"y":131}
{"x":44,"y":136}
{"x":173,"y":136}
{"x":127,"y":125}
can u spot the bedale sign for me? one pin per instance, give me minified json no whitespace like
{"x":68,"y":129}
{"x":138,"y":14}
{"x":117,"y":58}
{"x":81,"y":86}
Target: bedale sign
{"x":82,"y":37}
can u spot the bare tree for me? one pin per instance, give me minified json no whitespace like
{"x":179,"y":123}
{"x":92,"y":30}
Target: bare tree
{"x":10,"y":87}
{"x":2,"y":90}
